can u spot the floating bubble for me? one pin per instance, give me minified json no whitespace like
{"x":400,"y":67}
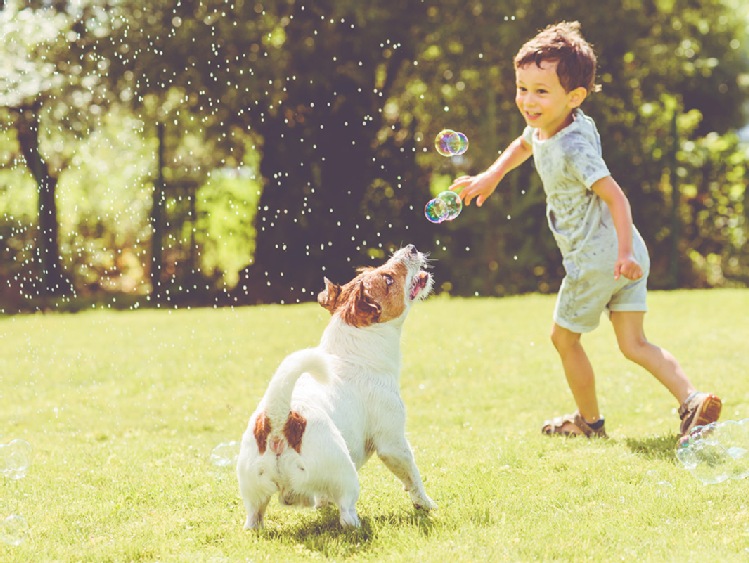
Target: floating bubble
{"x":717,"y":452}
{"x":453,"y":203}
{"x":225,"y":454}
{"x":450,"y":143}
{"x":14,"y":529}
{"x":435,"y":210}
{"x":445,"y":207}
{"x":15,"y":459}
{"x":441,"y":142}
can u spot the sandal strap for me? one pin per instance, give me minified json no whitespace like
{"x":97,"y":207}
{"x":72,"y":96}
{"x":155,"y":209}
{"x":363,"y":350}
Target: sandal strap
{"x":584,"y":426}
{"x":554,"y":426}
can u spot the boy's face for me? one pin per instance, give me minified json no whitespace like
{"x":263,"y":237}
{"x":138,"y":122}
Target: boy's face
{"x":542,"y":99}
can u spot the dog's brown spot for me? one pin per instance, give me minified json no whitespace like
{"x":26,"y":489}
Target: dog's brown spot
{"x":293,"y":430}
{"x":262,"y":429}
{"x":360,"y":308}
{"x":328,"y":298}
{"x":375,"y":295}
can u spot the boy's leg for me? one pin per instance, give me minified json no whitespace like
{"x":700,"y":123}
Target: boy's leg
{"x":696,"y":409}
{"x":630,"y":334}
{"x":579,"y":372}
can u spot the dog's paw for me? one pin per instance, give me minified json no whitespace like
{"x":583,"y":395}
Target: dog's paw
{"x":349,"y":519}
{"x":423,"y":502}
{"x":321,"y":502}
{"x":254,"y":522}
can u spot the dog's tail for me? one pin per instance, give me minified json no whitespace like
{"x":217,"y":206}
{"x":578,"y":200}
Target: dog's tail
{"x":277,"y":398}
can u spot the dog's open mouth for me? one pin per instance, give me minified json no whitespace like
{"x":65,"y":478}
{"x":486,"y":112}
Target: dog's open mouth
{"x":418,"y":284}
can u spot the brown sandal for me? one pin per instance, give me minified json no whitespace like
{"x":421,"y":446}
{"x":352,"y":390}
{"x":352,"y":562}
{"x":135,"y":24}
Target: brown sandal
{"x":555,"y":427}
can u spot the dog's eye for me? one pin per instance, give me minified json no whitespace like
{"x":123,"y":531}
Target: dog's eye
{"x":388,"y":280}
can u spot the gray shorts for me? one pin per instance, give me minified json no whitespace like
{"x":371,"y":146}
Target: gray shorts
{"x":589,"y":289}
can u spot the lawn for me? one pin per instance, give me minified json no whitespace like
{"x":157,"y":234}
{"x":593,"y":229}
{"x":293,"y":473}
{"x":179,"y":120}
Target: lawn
{"x":123,"y":410}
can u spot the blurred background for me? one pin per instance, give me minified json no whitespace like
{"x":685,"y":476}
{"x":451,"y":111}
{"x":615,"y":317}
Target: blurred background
{"x":188,"y":153}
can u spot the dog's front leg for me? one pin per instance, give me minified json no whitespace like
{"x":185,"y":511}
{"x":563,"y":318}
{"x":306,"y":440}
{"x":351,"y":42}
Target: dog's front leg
{"x":399,"y":458}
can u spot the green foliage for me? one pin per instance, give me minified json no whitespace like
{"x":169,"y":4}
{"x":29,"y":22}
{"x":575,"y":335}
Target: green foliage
{"x":225,"y":212}
{"x":121,"y":440}
{"x":716,"y":214}
{"x":28,"y":43}
{"x":334,"y":106}
{"x":664,"y":58}
{"x":107,"y":184}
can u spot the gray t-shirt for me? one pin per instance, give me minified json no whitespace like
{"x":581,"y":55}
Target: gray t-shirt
{"x":569,"y":163}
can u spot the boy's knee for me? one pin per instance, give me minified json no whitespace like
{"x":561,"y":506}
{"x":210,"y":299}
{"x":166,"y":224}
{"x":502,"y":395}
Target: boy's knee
{"x":555,"y":340}
{"x":633,"y":348}
{"x":563,"y":339}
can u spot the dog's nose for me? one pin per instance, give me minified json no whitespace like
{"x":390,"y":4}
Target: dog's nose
{"x":412,"y":249}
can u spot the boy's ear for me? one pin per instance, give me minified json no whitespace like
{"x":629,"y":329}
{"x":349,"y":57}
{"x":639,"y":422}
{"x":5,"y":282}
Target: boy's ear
{"x":577,"y":97}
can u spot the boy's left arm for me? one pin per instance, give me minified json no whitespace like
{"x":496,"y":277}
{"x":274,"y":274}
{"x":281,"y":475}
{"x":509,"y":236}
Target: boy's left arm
{"x":611,"y":193}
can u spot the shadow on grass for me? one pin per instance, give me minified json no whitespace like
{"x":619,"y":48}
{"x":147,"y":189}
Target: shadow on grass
{"x":655,"y":447}
{"x":325,"y":535}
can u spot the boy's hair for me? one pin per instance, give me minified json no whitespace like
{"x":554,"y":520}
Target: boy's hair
{"x":563,"y":44}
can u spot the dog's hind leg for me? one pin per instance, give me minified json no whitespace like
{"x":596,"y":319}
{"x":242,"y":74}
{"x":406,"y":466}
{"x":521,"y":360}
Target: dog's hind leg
{"x":256,"y":484}
{"x":347,"y":506}
{"x":255,"y":515}
{"x":345,"y":493}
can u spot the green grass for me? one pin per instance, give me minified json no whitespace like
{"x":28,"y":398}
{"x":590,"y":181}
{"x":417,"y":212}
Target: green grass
{"x":123,"y":410}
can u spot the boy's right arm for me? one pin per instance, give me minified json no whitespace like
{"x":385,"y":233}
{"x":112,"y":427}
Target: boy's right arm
{"x":483,"y":185}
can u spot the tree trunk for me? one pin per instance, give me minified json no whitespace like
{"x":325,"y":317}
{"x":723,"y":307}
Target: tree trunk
{"x":328,"y":206}
{"x":158,"y":209}
{"x":310,"y":199}
{"x":53,"y":280}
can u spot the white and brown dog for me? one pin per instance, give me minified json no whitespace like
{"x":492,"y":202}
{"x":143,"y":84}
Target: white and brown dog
{"x":328,"y":409}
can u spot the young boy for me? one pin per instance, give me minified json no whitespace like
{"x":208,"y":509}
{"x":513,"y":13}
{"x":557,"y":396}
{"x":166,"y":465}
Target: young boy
{"x":604,"y":257}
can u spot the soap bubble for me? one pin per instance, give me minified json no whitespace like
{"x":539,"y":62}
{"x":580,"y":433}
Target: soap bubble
{"x":450,"y":143}
{"x":445,"y":207}
{"x":15,"y":459}
{"x":225,"y":454}
{"x":435,"y":210}
{"x":717,"y":452}
{"x":453,"y":203}
{"x":13,"y":530}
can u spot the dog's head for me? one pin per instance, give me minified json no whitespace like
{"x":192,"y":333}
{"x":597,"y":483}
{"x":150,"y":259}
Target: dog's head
{"x":378,"y":295}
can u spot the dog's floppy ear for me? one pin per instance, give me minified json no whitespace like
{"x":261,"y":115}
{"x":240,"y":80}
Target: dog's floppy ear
{"x":328,"y":298}
{"x":361,"y":309}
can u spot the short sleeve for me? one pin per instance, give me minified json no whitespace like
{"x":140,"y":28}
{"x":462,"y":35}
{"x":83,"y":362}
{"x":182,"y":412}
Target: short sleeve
{"x":584,"y":161}
{"x":528,"y":135}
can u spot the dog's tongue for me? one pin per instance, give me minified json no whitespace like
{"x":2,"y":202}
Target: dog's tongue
{"x":419,"y":283}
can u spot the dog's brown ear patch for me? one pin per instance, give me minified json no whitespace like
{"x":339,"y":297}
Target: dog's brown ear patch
{"x":293,"y":430}
{"x":261,"y":431}
{"x":361,"y":309}
{"x":328,"y":298}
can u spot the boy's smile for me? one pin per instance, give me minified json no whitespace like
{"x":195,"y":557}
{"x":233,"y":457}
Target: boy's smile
{"x":542,"y":99}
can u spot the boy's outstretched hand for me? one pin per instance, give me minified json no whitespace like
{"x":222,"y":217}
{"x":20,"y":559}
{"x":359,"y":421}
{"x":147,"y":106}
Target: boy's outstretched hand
{"x":627,"y":267}
{"x":474,"y":187}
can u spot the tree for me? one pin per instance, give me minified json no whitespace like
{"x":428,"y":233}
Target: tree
{"x":309,"y":83}
{"x":28,"y":36}
{"x":51,"y":89}
{"x":333,"y":107}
